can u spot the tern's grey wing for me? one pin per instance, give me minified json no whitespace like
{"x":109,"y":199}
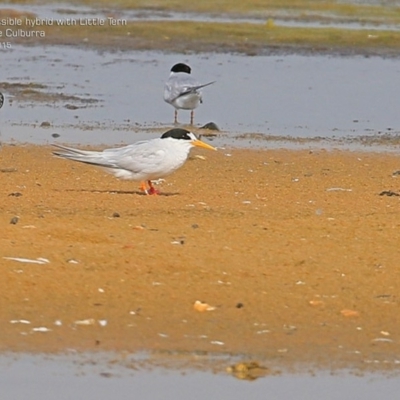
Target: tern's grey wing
{"x":142,"y":160}
{"x":193,"y":89}
{"x":72,"y":151}
{"x":142,"y":157}
{"x":84,"y":156}
{"x":176,"y":85}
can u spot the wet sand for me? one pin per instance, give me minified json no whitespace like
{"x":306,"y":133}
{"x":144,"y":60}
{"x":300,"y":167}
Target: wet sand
{"x":297,"y":251}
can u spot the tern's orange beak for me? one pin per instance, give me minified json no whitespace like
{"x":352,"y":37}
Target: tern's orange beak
{"x":199,"y":143}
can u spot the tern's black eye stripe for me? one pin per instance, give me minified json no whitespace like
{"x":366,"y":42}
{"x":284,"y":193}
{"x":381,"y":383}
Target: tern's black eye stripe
{"x":177,"y":133}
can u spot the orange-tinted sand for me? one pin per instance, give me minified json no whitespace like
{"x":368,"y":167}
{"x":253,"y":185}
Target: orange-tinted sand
{"x":297,"y":251}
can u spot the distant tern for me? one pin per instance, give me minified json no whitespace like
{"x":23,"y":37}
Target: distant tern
{"x":143,"y":161}
{"x":183,"y":91}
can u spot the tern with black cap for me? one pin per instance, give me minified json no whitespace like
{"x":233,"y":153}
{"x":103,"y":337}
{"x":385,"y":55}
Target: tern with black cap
{"x":143,"y":161}
{"x":183,"y":91}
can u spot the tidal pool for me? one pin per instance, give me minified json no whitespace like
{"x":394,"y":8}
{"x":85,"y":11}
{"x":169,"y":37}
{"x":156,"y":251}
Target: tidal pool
{"x":63,"y":377}
{"x":96,"y":97}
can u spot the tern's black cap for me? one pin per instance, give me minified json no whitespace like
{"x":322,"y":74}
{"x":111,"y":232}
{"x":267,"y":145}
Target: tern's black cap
{"x":177,"y":133}
{"x":181,"y":67}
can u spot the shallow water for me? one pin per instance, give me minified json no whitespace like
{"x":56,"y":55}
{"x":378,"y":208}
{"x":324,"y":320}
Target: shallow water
{"x":64,"y":377}
{"x":120,"y":95}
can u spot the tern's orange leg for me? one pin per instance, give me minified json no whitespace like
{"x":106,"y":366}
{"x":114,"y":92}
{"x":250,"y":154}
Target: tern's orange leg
{"x":152,"y":189}
{"x":143,"y":187}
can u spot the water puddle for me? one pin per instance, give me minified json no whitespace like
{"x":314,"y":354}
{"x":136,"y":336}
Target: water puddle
{"x":87,"y":96}
{"x":96,"y":377}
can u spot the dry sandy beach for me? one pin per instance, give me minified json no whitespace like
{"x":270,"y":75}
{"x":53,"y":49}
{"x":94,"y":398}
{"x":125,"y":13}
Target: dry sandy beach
{"x":295,"y":252}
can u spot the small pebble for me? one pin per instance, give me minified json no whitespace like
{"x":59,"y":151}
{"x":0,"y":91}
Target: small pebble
{"x":14,"y":220}
{"x":212,"y":126}
{"x":71,"y":107}
{"x":201,"y":306}
{"x":116,"y":215}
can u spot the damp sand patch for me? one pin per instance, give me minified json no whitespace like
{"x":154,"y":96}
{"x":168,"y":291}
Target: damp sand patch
{"x":295,"y":9}
{"x":39,"y":93}
{"x":194,"y":36}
